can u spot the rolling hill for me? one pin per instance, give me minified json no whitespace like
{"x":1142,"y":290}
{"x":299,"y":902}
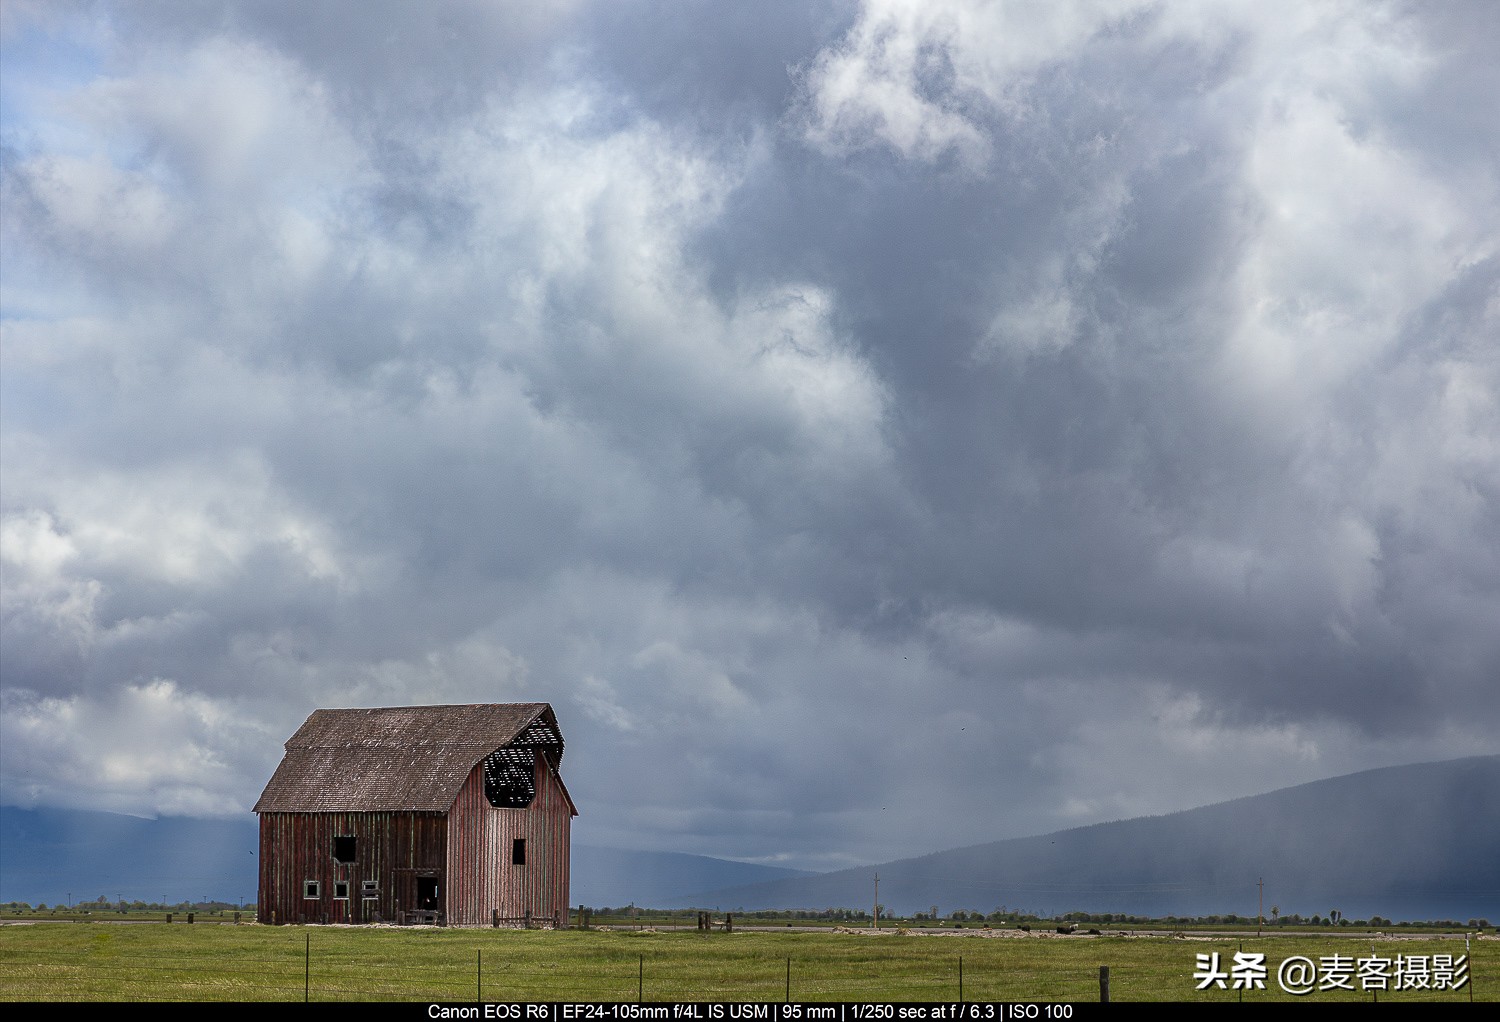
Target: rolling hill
{"x":1410,"y":842}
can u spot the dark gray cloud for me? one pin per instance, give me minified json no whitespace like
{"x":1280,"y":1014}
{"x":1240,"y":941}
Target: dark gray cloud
{"x":875,"y":427}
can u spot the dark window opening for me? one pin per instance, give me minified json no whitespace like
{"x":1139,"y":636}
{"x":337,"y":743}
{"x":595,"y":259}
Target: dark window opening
{"x":344,"y":848}
{"x":341,"y":890}
{"x":518,"y":852}
{"x":370,"y":889}
{"x":427,"y":894}
{"x":510,"y":778}
{"x":311,"y":889}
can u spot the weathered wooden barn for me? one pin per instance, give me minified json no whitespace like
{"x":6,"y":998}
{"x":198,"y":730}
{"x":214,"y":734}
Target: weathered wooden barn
{"x":447,"y":814}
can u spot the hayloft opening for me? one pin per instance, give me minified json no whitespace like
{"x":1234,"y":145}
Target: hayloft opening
{"x":510,"y":778}
{"x":344,"y":848}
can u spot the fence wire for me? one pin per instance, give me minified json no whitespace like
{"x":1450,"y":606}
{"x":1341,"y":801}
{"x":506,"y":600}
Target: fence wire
{"x":62,"y":975}
{"x":301,"y":970}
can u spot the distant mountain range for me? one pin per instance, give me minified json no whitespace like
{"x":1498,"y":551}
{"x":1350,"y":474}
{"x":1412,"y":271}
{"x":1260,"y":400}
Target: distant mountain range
{"x":53,"y":855}
{"x":61,"y":855}
{"x":1411,"y":842}
{"x":1415,"y":842}
{"x":611,"y":877}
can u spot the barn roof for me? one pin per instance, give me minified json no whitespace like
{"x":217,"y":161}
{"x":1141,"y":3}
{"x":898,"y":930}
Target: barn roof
{"x":400,"y":758}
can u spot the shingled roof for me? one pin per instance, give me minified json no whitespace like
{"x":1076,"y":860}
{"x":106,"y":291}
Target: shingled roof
{"x":402,"y":758}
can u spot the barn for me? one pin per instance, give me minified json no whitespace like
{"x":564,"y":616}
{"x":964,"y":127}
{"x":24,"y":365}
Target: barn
{"x":444,"y":814}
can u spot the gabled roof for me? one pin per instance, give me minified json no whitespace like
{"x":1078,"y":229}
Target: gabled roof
{"x":401,"y":758}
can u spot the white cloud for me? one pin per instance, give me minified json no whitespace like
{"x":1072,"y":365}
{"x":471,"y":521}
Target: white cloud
{"x":597,"y":698}
{"x":226,"y":117}
{"x":38,"y":593}
{"x":186,"y":525}
{"x":925,"y":77}
{"x":141,"y":749}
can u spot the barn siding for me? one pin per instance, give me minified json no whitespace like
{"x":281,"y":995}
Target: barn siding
{"x":483,"y":879}
{"x":392,"y":848}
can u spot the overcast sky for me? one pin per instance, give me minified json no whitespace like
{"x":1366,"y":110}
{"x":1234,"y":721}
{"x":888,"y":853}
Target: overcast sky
{"x":875,"y":426}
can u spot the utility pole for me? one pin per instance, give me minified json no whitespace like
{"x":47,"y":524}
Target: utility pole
{"x":876,"y":913}
{"x":1260,"y":911}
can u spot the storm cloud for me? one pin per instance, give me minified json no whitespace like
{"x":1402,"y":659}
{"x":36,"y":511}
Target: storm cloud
{"x":875,"y":427}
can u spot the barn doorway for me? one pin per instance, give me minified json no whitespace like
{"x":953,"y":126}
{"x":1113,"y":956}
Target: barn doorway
{"x":427,"y":894}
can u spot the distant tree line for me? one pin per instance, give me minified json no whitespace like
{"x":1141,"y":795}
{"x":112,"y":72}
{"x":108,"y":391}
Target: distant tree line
{"x":1003,"y":916}
{"x":104,"y":904}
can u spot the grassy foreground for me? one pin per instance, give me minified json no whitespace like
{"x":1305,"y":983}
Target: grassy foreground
{"x":128,"y":962}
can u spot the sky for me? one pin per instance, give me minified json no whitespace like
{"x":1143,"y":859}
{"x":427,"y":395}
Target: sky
{"x":875,"y":426}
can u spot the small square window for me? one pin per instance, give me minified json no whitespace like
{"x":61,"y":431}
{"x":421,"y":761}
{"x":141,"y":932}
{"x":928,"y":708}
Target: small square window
{"x":312,"y":889}
{"x":341,"y":890}
{"x":344,"y":846}
{"x":370,"y":889}
{"x":518,"y":852}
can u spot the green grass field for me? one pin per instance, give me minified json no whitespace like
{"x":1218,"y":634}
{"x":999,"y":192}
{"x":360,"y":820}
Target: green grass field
{"x":153,"y":962}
